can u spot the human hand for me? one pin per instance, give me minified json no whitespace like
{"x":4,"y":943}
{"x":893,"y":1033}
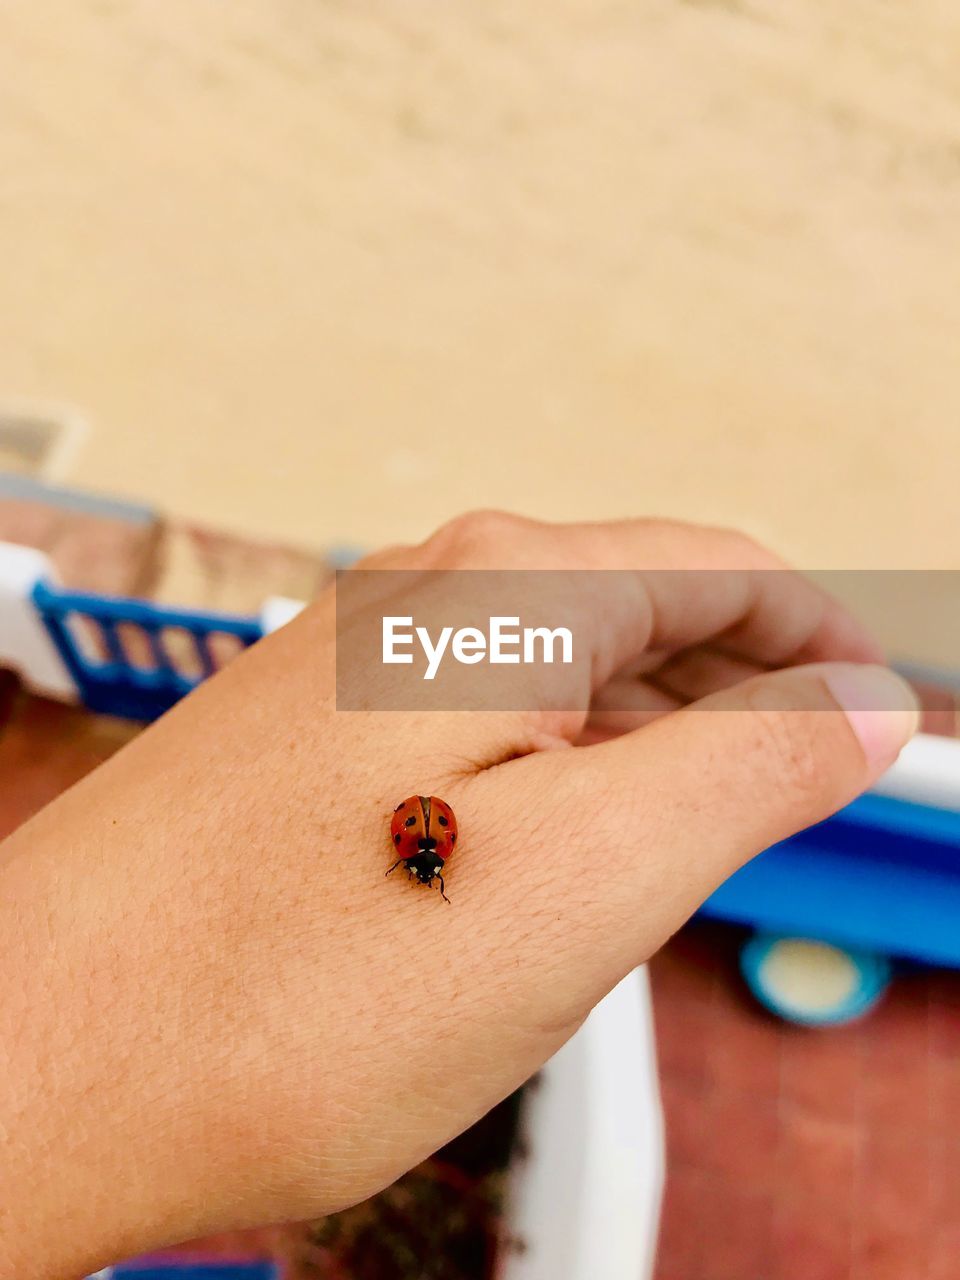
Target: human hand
{"x":214,"y":1010}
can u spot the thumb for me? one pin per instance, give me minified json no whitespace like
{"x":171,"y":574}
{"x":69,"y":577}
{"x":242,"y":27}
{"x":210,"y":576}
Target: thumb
{"x":689,"y":798}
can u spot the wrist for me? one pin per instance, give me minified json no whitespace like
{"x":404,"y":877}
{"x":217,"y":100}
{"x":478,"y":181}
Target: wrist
{"x":99,"y":1113}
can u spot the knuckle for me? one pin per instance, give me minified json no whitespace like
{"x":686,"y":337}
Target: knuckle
{"x":736,"y":539}
{"x":747,"y":544}
{"x":384,"y":558}
{"x":475,"y":537}
{"x":746,"y":551}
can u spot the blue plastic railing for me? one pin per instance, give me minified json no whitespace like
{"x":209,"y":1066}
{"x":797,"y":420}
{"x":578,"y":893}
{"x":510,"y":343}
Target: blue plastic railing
{"x":112,"y":682}
{"x":172,"y":1269}
{"x":882,"y":875}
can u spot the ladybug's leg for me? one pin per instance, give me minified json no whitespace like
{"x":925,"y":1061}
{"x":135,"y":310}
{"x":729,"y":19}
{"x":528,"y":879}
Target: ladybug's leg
{"x":395,"y":865}
{"x":442,"y":894}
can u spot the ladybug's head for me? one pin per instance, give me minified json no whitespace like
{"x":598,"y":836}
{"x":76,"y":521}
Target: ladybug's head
{"x":425,"y":866}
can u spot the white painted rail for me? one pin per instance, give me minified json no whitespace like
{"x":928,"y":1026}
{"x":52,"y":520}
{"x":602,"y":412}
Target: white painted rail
{"x":585,"y":1200}
{"x":25,"y":644}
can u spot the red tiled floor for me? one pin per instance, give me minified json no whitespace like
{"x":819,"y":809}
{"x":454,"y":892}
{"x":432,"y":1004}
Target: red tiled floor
{"x":894,"y":1187}
{"x":897,"y":1061}
{"x":740,"y":1138}
{"x":818,"y":1161}
{"x":745,"y":1057}
{"x":940,"y":709}
{"x":805,"y":1155}
{"x":90,"y":552}
{"x":9,"y":697}
{"x":45,"y":747}
{"x":944,"y":1007}
{"x":945,"y":1253}
{"x":887,"y":1251}
{"x":945,"y":1178}
{"x":809,"y":1244}
{"x":682,"y":1222}
{"x":160,"y":559}
{"x":214,"y":570}
{"x":942,"y":987}
{"x":945,"y":1097}
{"x":684,"y":1101}
{"x":820,"y":1074}
{"x":682,"y":1042}
{"x":735,"y":1232}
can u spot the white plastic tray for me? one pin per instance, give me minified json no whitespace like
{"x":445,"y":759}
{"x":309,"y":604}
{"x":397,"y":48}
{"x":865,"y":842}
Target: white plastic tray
{"x":585,"y":1199}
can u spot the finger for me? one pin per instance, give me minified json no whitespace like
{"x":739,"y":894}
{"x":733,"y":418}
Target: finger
{"x":752,"y":765}
{"x":683,"y":584}
{"x":763,"y":617}
{"x":625,"y":704}
{"x":733,"y":591}
{"x":696,"y":673}
{"x":641,"y":829}
{"x":792,"y":629}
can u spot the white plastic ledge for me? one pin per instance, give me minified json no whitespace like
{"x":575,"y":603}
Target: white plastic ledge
{"x":585,"y":1200}
{"x":25,"y":644}
{"x":928,"y":772}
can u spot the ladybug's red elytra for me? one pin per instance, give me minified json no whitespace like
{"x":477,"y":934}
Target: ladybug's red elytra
{"x":424,"y":832}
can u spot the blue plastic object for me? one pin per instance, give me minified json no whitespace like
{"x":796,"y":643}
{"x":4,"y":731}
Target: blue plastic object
{"x":117,"y":686}
{"x":883,"y":875}
{"x":174,"y":1270}
{"x":872,"y":977}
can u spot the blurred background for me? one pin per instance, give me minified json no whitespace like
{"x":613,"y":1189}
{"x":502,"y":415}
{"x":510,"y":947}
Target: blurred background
{"x":315,"y":272}
{"x":286,"y":276}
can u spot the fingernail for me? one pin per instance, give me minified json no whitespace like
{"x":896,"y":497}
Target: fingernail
{"x":882,"y":709}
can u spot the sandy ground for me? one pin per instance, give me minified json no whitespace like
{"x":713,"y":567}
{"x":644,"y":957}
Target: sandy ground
{"x":323,"y":272}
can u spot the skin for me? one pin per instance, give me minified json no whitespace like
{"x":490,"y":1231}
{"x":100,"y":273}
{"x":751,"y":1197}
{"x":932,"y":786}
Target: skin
{"x":216,"y":1012}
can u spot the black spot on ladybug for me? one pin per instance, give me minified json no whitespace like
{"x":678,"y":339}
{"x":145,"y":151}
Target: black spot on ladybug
{"x":411,"y":820}
{"x":443,"y":822}
{"x":396,"y":838}
{"x":453,"y":838}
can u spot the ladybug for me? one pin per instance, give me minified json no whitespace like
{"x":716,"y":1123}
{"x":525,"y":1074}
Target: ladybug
{"x":424,"y":832}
